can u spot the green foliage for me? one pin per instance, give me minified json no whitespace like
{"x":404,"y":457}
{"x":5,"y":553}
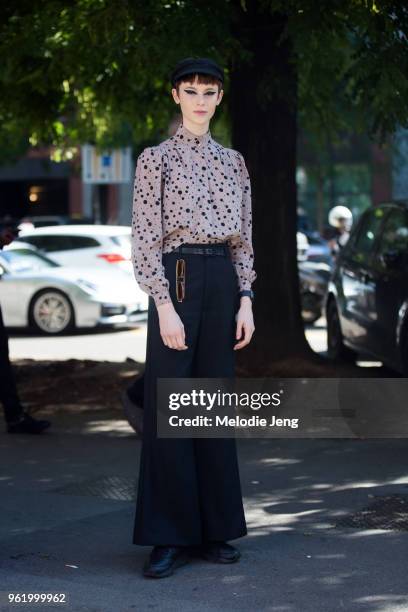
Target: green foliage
{"x":97,"y":70}
{"x":352,"y":63}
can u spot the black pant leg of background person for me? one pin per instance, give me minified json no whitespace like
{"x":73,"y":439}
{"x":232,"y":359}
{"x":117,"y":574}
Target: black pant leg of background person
{"x":177,"y":504}
{"x":8,"y":389}
{"x":135,"y":391}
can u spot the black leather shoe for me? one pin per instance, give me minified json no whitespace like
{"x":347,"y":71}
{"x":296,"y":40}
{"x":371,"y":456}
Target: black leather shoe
{"x":27,"y":424}
{"x":163,"y":560}
{"x":220,"y":552}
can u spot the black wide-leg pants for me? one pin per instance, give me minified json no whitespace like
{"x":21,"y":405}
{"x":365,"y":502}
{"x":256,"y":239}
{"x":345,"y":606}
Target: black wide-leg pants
{"x":189,"y":489}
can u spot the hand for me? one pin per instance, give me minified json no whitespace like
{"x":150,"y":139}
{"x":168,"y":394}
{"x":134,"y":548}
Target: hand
{"x":171,"y":327}
{"x":245,"y":323}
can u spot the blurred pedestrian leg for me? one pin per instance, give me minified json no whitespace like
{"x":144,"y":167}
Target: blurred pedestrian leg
{"x":18,"y":421}
{"x":13,"y":410}
{"x":136,"y":391}
{"x":132,"y":400}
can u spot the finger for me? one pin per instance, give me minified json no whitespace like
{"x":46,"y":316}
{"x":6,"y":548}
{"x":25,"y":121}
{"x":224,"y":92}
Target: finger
{"x":173,"y":342}
{"x":246,"y":331}
{"x":240,"y":345}
{"x":248,"y":334}
{"x":239,"y":329}
{"x":165,"y":341}
{"x":169,"y":341}
{"x":183,"y":338}
{"x":245,"y":339}
{"x":179,"y":342}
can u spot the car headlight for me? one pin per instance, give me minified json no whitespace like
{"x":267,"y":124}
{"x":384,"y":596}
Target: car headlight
{"x":87,"y":285}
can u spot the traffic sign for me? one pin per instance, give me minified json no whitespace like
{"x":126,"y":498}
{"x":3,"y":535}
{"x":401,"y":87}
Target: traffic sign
{"x":112,"y":166}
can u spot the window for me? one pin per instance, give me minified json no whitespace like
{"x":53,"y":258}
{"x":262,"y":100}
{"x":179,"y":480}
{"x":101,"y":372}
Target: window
{"x":24,"y":260}
{"x":363,"y":245}
{"x":395,"y":234}
{"x":57,"y":242}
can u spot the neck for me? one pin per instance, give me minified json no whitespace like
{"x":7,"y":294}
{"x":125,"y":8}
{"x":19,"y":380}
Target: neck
{"x":197,"y":130}
{"x":186,"y":137}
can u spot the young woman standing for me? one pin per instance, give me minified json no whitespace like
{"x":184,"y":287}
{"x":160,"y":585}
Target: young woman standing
{"x":192,"y":253}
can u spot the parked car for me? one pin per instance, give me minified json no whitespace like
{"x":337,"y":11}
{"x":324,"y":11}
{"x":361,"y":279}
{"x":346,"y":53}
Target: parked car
{"x":302,"y":246}
{"x":106,"y":246}
{"x":36,"y":292}
{"x":313,"y":281}
{"x":319,"y":250}
{"x":367,"y":300}
{"x":45,"y":220}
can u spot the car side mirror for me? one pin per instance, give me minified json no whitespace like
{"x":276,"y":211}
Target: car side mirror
{"x":392,"y":259}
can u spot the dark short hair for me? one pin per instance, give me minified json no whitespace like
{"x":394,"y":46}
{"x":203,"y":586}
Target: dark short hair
{"x":203,"y":79}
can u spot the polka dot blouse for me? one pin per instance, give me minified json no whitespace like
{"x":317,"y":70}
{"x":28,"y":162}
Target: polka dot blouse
{"x":189,"y":189}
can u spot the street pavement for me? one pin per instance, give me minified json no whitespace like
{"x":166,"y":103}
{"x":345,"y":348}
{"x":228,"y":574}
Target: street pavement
{"x":67,"y":502}
{"x":67,"y":507}
{"x":118,"y":345}
{"x":111,"y":345}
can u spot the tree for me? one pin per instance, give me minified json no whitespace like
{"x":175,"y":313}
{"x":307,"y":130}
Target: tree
{"x":98,"y":70}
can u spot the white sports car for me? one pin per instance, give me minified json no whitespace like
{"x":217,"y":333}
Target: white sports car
{"x":37,"y":292}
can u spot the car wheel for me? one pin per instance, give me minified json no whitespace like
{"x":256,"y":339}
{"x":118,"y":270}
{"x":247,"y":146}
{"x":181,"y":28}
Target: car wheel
{"x":310,"y":308}
{"x":51,"y":312}
{"x":335,"y":345}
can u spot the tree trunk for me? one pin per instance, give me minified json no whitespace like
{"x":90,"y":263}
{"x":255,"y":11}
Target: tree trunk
{"x":320,"y":198}
{"x":263,"y":117}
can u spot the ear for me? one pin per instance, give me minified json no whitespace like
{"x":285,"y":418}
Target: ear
{"x":220,"y":95}
{"x":175,"y":95}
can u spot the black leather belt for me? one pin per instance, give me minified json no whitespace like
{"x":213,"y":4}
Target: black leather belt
{"x":220,"y":248}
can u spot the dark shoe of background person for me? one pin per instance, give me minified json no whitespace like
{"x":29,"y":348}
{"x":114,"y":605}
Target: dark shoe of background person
{"x":133,"y":412}
{"x":164,"y":560}
{"x":27,"y":424}
{"x":220,"y":552}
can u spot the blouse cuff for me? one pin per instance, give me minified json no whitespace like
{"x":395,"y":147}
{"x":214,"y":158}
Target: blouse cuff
{"x":162,"y":298}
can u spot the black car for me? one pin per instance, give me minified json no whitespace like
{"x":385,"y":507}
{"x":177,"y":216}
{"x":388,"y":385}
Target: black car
{"x":367,"y":300}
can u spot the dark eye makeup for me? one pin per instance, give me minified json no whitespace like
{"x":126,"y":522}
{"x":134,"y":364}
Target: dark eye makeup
{"x":207,"y":93}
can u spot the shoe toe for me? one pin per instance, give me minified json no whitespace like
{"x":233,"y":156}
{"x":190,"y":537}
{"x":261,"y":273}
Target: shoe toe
{"x":220,"y":552}
{"x":164,"y":560}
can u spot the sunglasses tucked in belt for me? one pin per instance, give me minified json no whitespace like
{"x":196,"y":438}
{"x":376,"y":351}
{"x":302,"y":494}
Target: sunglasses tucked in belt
{"x":199,"y":249}
{"x":180,"y":279}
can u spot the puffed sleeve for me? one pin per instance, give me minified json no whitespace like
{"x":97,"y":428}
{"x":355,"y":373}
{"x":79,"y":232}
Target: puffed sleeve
{"x":147,"y":236}
{"x":241,"y":249}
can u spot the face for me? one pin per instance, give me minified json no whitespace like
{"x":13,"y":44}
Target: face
{"x":344,"y":224}
{"x":197,"y":101}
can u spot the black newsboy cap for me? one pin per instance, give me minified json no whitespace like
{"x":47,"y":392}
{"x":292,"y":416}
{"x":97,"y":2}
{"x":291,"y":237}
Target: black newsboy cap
{"x":192,"y":65}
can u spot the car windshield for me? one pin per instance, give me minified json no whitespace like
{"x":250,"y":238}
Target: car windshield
{"x":25,"y":260}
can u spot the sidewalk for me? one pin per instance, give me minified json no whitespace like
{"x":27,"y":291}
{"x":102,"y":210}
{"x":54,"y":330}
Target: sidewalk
{"x":67,"y":502}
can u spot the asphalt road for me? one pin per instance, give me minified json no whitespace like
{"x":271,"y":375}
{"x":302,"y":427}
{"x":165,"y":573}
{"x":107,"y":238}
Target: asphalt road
{"x":67,"y":501}
{"x":113,"y":345}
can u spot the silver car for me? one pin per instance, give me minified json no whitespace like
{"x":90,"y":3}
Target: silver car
{"x":38,"y":293}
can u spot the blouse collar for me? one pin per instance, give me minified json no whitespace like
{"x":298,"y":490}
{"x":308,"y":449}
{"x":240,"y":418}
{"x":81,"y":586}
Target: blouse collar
{"x":184,"y":136}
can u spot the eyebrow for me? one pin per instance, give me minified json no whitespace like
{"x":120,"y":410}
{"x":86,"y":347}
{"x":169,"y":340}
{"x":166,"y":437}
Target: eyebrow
{"x":192,"y":86}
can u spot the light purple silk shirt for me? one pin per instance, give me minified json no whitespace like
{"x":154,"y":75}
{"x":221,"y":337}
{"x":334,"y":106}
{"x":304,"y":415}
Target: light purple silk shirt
{"x":189,"y":189}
